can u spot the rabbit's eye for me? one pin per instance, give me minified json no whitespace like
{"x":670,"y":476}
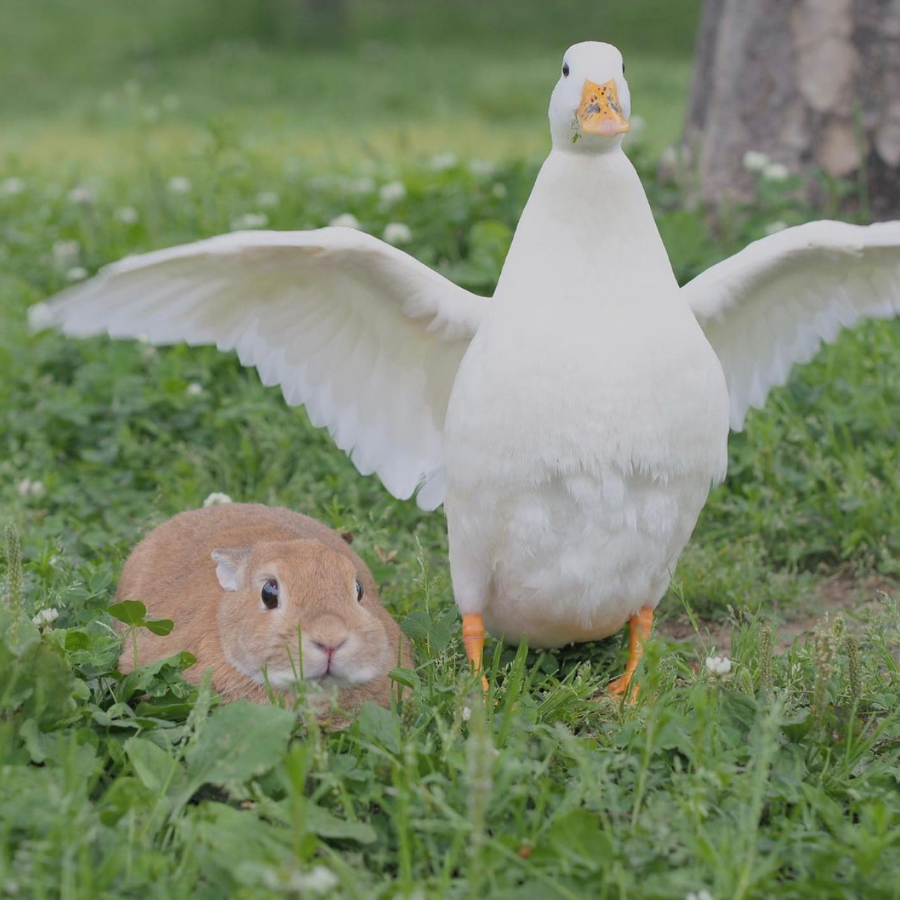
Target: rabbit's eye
{"x":270,"y":594}
{"x":359,"y":590}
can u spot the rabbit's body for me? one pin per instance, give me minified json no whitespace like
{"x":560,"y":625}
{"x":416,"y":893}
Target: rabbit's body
{"x":212,"y":571}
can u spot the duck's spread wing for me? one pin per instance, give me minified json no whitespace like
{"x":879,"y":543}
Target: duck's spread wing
{"x":363,"y":335}
{"x":773,"y":304}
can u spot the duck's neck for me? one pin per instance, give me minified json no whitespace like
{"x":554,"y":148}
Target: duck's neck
{"x":586,"y":236}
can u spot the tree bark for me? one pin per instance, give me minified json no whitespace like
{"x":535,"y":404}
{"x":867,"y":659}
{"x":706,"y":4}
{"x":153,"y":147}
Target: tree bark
{"x":813,"y":84}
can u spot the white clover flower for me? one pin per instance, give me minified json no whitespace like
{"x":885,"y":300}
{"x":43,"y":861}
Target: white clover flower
{"x":248,"y":221}
{"x":81,"y":195}
{"x":397,"y":233}
{"x":171,"y":102}
{"x":127,"y":215}
{"x":267,"y":199}
{"x":319,"y":880}
{"x":362,"y":185}
{"x":776,"y":172}
{"x":392,"y":192}
{"x":65,"y":253}
{"x":29,"y":488}
{"x":40,"y":317}
{"x":669,"y":157}
{"x":755,"y":161}
{"x":345,"y":220}
{"x":718,"y":665}
{"x":10,"y":187}
{"x":46,"y":617}
{"x":499,"y":189}
{"x":466,"y":713}
{"x":194,"y":389}
{"x":482,"y":167}
{"x":775,"y":227}
{"x":76,"y":273}
{"x":178,"y":184}
{"x":699,"y":895}
{"x":443,"y":161}
{"x":638,"y":127}
{"x":216,"y":499}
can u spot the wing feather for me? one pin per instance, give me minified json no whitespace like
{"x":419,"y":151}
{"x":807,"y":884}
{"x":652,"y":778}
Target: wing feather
{"x":363,"y":335}
{"x":771,"y":306}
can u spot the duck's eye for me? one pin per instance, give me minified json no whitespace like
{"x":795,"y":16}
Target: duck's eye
{"x":623,"y":66}
{"x":359,"y":590}
{"x":270,"y":594}
{"x":565,"y":70}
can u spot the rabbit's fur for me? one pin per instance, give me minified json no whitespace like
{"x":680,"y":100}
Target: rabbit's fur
{"x":205,"y":570}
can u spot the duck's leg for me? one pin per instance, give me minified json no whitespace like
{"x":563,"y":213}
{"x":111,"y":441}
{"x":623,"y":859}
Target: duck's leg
{"x":473,"y":641}
{"x":639,"y":627}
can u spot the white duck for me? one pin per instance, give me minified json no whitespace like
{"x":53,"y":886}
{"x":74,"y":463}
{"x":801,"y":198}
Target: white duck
{"x":573,"y":424}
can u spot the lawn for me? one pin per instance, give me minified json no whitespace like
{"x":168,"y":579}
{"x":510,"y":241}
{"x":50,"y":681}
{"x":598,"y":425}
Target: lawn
{"x":167,"y":80}
{"x":780,"y":779}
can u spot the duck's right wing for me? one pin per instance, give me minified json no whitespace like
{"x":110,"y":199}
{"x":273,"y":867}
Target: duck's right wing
{"x":772,"y":305}
{"x":366,"y":337}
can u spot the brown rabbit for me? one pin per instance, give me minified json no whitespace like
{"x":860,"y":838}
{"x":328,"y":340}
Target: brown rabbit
{"x":250,"y":586}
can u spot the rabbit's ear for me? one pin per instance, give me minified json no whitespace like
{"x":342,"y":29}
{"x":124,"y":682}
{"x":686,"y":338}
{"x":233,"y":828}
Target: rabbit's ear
{"x":231,"y":566}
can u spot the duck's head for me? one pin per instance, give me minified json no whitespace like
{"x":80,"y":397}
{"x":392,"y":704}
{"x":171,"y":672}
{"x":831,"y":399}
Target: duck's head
{"x":590,"y":105}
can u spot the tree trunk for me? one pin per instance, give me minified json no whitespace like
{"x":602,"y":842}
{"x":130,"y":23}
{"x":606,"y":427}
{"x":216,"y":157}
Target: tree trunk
{"x":813,"y":84}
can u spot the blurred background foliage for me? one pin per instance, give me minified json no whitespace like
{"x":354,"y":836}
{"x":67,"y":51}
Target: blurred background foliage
{"x":145,"y":31}
{"x":340,"y":79}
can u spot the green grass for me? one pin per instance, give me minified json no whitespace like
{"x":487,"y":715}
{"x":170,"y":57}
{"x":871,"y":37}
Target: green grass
{"x":778,"y":781}
{"x":168,"y":81}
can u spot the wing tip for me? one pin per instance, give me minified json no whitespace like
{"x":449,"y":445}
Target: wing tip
{"x":42,"y":317}
{"x":430,"y":494}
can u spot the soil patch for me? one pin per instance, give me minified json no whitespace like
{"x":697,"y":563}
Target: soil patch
{"x":844,"y":593}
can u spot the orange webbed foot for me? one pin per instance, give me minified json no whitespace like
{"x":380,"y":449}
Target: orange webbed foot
{"x":473,"y":640}
{"x":639,"y":628}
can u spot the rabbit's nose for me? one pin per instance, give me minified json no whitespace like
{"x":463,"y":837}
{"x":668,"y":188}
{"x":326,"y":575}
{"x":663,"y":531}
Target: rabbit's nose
{"x":328,"y":634}
{"x":331,"y":648}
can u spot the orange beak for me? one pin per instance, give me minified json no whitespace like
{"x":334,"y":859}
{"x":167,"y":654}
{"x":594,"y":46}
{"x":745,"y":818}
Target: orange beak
{"x":599,"y":111}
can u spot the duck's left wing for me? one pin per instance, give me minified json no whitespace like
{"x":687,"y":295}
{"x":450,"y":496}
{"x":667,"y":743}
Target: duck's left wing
{"x":366,"y":337}
{"x":774,"y":303}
